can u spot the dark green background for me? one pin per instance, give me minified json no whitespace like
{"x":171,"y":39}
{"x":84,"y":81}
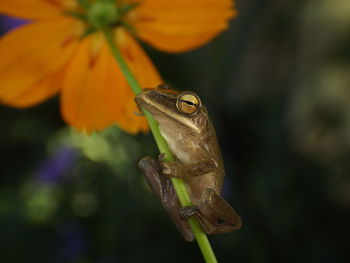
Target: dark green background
{"x":277,"y":86}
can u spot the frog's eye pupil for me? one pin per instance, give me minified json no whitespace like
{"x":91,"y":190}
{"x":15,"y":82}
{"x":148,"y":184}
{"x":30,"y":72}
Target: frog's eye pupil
{"x":188,"y":103}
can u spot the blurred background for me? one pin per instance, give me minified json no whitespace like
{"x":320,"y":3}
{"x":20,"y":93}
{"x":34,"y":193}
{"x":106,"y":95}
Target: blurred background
{"x":277,"y":86}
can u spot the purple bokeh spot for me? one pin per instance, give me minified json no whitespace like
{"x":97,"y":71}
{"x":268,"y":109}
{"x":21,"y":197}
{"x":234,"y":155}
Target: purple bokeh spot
{"x":53,"y":169}
{"x":8,"y":23}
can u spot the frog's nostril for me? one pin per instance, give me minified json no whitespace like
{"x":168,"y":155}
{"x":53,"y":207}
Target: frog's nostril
{"x":163,"y":86}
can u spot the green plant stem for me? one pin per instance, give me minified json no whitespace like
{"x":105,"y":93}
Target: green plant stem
{"x":179,"y":185}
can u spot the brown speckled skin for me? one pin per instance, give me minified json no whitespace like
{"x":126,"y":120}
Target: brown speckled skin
{"x":193,"y":142}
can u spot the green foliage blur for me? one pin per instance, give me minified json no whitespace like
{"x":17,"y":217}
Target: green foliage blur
{"x":277,"y":86}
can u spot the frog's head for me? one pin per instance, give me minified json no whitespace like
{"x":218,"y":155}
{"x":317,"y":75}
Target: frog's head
{"x":172,"y":107}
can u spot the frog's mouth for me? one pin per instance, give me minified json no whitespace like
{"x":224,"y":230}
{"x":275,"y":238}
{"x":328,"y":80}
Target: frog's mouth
{"x":154,"y":101}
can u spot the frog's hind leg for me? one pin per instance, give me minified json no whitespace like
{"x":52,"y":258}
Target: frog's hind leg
{"x":164,"y":189}
{"x":213,"y":213}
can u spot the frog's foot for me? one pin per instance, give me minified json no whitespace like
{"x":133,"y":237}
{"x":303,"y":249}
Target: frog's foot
{"x":165,"y":191}
{"x":213,"y":213}
{"x":150,"y":168}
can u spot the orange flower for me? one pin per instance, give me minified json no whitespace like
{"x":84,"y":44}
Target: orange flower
{"x":56,"y":53}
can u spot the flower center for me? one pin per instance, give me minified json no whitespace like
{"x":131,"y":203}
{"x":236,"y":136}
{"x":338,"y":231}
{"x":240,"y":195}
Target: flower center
{"x":102,"y":13}
{"x":99,"y":14}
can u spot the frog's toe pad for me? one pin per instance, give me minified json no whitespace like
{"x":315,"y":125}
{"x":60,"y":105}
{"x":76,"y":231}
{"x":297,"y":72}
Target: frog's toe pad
{"x":147,"y":163}
{"x":166,"y":169}
{"x":188,"y":211}
{"x":161,"y":157}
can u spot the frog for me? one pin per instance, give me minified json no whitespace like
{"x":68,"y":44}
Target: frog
{"x":186,"y":127}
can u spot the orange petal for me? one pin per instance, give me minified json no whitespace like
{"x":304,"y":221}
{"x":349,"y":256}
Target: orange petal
{"x":181,"y":25}
{"x":145,"y":73}
{"x":40,"y":91}
{"x":91,"y":97}
{"x":30,"y":9}
{"x":129,"y":121}
{"x":95,"y":93}
{"x":30,"y":60}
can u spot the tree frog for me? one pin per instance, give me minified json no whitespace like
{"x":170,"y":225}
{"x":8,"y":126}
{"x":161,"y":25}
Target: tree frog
{"x":185,"y":125}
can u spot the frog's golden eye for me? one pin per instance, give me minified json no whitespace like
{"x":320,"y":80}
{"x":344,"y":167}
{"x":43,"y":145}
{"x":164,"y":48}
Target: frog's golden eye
{"x":188,"y":103}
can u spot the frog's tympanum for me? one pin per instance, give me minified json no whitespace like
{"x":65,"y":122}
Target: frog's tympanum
{"x":186,"y":127}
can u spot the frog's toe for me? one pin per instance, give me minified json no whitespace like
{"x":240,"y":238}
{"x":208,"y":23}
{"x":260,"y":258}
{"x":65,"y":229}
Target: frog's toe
{"x":147,"y":162}
{"x":166,"y":169}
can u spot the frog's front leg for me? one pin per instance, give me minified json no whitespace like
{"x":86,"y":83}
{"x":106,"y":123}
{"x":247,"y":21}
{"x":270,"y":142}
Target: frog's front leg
{"x":164,"y":189}
{"x":180,"y":170}
{"x":213,"y":213}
